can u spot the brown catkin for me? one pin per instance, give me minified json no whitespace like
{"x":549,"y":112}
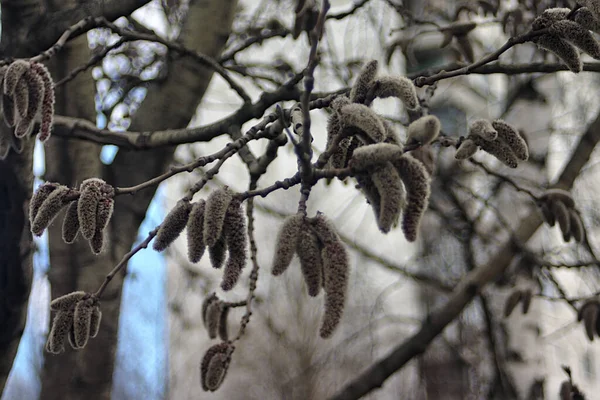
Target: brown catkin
{"x":576,"y":226}
{"x":334,"y":129}
{"x":82,"y":322}
{"x":205,"y":304}
{"x":511,"y":302}
{"x":585,"y":18}
{"x":563,"y":50}
{"x":217,"y":369}
{"x":592,"y":5}
{"x":417,"y":185}
{"x":498,"y":149}
{"x":223,"y":325}
{"x":561,"y":212}
{"x":285,"y":244}
{"x":95,"y":320}
{"x":559,"y":194}
{"x":40,"y":195}
{"x":221,"y":348}
{"x":104,"y":213}
{"x":217,"y":252}
{"x":363,"y":82}
{"x":335,"y":274}
{"x":67,"y":301}
{"x":397,"y":86}
{"x":577,"y":35}
{"x":195,"y":232}
{"x":484,"y":129}
{"x":392,"y":196}
{"x":13,"y":75}
{"x":547,"y":215}
{"x":173,"y":225}
{"x":311,"y":263}
{"x":212,"y":318}
{"x":214,"y":214}
{"x":512,"y":138}
{"x":61,"y":325}
{"x":70,"y":226}
{"x":47,"y":102}
{"x":324,"y":228}
{"x":365,"y":120}
{"x":21,"y":98}
{"x":424,"y":130}
{"x":526,"y":300}
{"x":35,"y":97}
{"x":49,"y":209}
{"x":466,"y":149}
{"x":236,"y":236}
{"x":589,"y":315}
{"x":376,"y":154}
{"x":566,"y":391}
{"x":98,"y":242}
{"x":8,"y":110}
{"x":87,"y":207}
{"x":366,"y":185}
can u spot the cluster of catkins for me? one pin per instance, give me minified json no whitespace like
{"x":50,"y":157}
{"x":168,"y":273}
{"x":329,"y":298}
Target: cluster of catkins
{"x":589,"y":313}
{"x":77,"y":318}
{"x":27,"y":96}
{"x":215,"y":364}
{"x":323,"y":260}
{"x":563,"y":34}
{"x":214,"y":316}
{"x":393,"y":182}
{"x":89,"y":210}
{"x":518,"y":296}
{"x":557,"y":205}
{"x":217,"y":223}
{"x":497,"y":138}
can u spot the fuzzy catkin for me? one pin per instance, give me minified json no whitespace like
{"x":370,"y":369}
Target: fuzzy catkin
{"x":236,"y":236}
{"x":217,"y":369}
{"x":512,"y":138}
{"x":593,"y":6}
{"x":285,"y":246}
{"x":173,"y":225}
{"x":424,"y":130}
{"x":363,"y":83}
{"x":104,"y":213}
{"x":466,"y":149}
{"x":70,"y":226}
{"x":563,"y":50}
{"x":311,"y":263}
{"x":217,"y":253}
{"x":13,"y":75}
{"x":21,"y":98}
{"x":98,"y":242}
{"x":335,"y":273}
{"x":40,"y":195}
{"x":8,"y":110}
{"x":399,"y":87}
{"x":67,"y":301}
{"x":559,"y":194}
{"x":47,"y":102}
{"x":82,"y":323}
{"x":223,"y":325}
{"x":212,"y":318}
{"x":375,"y":154}
{"x":392,"y":196}
{"x":205,"y":304}
{"x":334,"y":129}
{"x":577,"y":35}
{"x":585,"y":18}
{"x":214,"y":214}
{"x":576,"y":226}
{"x":61,"y":325}
{"x":547,"y":214}
{"x":417,"y":182}
{"x":95,"y":320}
{"x":498,"y":149}
{"x":365,"y":120}
{"x":424,"y":154}
{"x":484,"y":129}
{"x":221,"y":348}
{"x":87,"y":207}
{"x":49,"y":210}
{"x":195,"y":232}
{"x":366,"y":185}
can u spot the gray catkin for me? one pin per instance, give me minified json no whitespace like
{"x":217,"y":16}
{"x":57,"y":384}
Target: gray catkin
{"x":49,"y":209}
{"x":223,"y":325}
{"x":221,"y":348}
{"x":87,"y":207}
{"x":212,"y":318}
{"x":285,"y":244}
{"x":498,"y":149}
{"x":363,"y":83}
{"x":173,"y":225}
{"x":8,"y":110}
{"x":593,"y":6}
{"x":335,"y":273}
{"x":424,"y":130}
{"x":399,"y":87}
{"x":365,"y":120}
{"x":95,"y":320}
{"x":82,"y":322}
{"x":104,"y":213}
{"x":548,"y":17}
{"x":484,"y":129}
{"x":466,"y":149}
{"x":334,"y":129}
{"x":21,"y":98}
{"x":217,"y":369}
{"x":70,"y":226}
{"x":214,"y":215}
{"x":585,"y":18}
{"x":13,"y":75}
{"x":561,"y":212}
{"x":392,"y":196}
{"x":236,"y":236}
{"x":377,"y":154}
{"x":424,"y":154}
{"x":547,"y":214}
{"x":61,"y":325}
{"x":558,"y":194}
{"x":205,"y":304}
{"x":366,"y":185}
{"x":308,"y":248}
{"x":417,"y":184}
{"x":195,"y":232}
{"x":67,"y":301}
{"x":98,"y":242}
{"x":324,"y":228}
{"x":563,"y":50}
{"x":576,"y":226}
{"x":47,"y":102}
{"x":39,"y":196}
{"x":217,"y":253}
{"x":512,"y":138}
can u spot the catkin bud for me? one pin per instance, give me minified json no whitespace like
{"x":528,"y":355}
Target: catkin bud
{"x":82,"y":322}
{"x":363,"y":83}
{"x":484,"y":129}
{"x":397,"y":86}
{"x":563,"y":50}
{"x":47,"y":102}
{"x":416,"y":181}
{"x":49,"y":209}
{"x":223,"y":348}
{"x":311,"y":263}
{"x":424,"y":130}
{"x":13,"y":75}
{"x":173,"y":225}
{"x":366,"y":185}
{"x":285,"y":246}
{"x":212,"y":318}
{"x":392,"y":196}
{"x":236,"y":236}
{"x":368,"y":123}
{"x":87,"y":207}
{"x":561,"y":212}
{"x":95,"y":320}
{"x":40,"y":195}
{"x":466,"y":149}
{"x":214,"y":214}
{"x":512,"y":138}
{"x":576,"y":226}
{"x":511,"y":302}
{"x":217,"y":252}
{"x":498,"y":149}
{"x":70,"y":226}
{"x":577,"y":35}
{"x":61,"y":325}
{"x":66,"y":302}
{"x":589,"y":313}
{"x":335,"y":274}
{"x":195,"y":232}
{"x":377,"y":154}
{"x":558,"y":194}
{"x":217,"y":369}
{"x":205,"y":304}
